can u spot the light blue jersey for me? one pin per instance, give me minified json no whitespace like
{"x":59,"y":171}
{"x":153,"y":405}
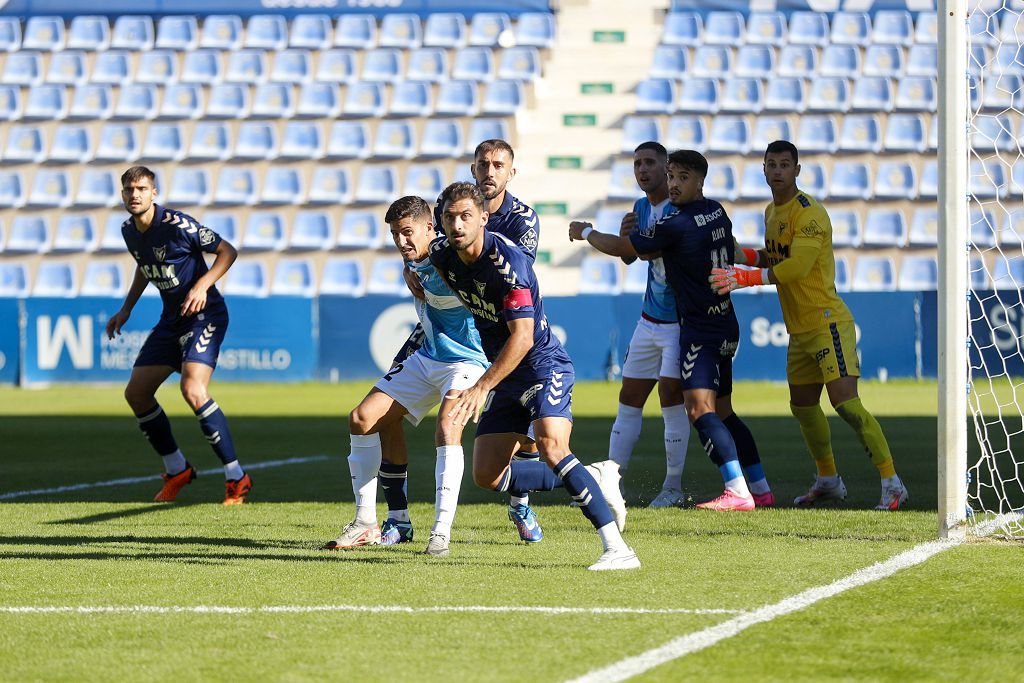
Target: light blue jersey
{"x":449,"y":335}
{"x":659,"y":301}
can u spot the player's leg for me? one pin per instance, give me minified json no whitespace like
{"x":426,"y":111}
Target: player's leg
{"x":527,"y":452}
{"x":195,"y":382}
{"x":746,"y":452}
{"x":639,"y":376}
{"x":394,"y":477}
{"x":673,"y":412}
{"x":141,"y":397}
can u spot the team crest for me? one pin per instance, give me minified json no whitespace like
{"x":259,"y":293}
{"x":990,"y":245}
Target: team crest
{"x":529,"y":239}
{"x":206,"y":236}
{"x":480,"y":287}
{"x":160,"y":253}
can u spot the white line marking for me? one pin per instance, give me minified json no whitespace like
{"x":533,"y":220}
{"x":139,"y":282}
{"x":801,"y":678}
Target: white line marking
{"x":155,"y":477}
{"x":303,"y":609}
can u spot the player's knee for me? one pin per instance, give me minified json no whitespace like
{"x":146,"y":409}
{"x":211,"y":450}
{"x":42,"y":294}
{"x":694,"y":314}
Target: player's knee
{"x":697,"y":410}
{"x":194,"y":393}
{"x":553,"y":450}
{"x":359,"y":422}
{"x":138,"y":399}
{"x":447,"y":433}
{"x":486,"y":478}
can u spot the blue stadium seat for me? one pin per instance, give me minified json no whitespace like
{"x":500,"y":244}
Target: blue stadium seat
{"x":982,"y":227}
{"x":301,"y":140}
{"x":111,"y":67}
{"x":132,"y":33}
{"x":264,"y":231}
{"x":358,"y":31}
{"x":851,"y":28}
{"x":224,"y":223}
{"x":923,"y":60}
{"x":282,"y":185}
{"x":1008,"y":274}
{"x":926,"y":28}
{"x":883,"y":60}
{"x":71,"y":145}
{"x":228,"y":101}
{"x":56,"y":279}
{"x":850,"y":180}
{"x":893,"y":27}
{"x":536,"y":29}
{"x":10,"y":34}
{"x":1011,"y":28}
{"x":905,"y":133}
{"x":427,"y":64}
{"x":272,"y":101}
{"x":657,"y":96}
{"x":386,"y":277}
{"x":924,"y":227}
{"x":635,"y":281}
{"x":686,"y":132}
{"x":683,"y":28}
{"x":1011,"y":230}
{"x":157,"y":67}
{"x":24,"y":144}
{"x":424,"y":180}
{"x":990,"y":133}
{"x":13,"y":279}
{"x":766,"y":28}
{"x":293,"y":277}
{"x":724,"y":28}
{"x":46,"y":103}
{"x":670,"y":61}
{"x":609,"y":220}
{"x":638,"y":129}
{"x":918,"y":273}
{"x":45,"y":34}
{"x":311,"y":230}
{"x":292,"y":66}
{"x":502,"y":98}
{"x":267,"y":32}
{"x":485,"y":129}
{"x":874,"y":274}
{"x":164,"y":142}
{"x":699,"y":95}
{"x":336,"y":66}
{"x":861,"y":133}
{"x":88,"y":32}
{"x":202,"y":67}
{"x":12,"y":190}
{"x":118,"y":142}
{"x":800,"y":61}
{"x":137,"y":101}
{"x":817,"y":134}
{"x":319,"y":101}
{"x":755,"y":61}
{"x":442,"y":139}
{"x":748,"y":226}
{"x":1008,"y":60}
{"x":360,"y":230}
{"x":872,"y":93}
{"x":1016,"y":180}
{"x":929,"y":187}
{"x":599,"y":275}
{"x":742,"y":95}
{"x":177,"y":33}
{"x":753,"y":185}
{"x":403,"y":31}
{"x":342,"y":277}
{"x":377,"y":185}
{"x":111,"y":240}
{"x":914,"y":93}
{"x":812,"y":179}
{"x":235,"y":186}
{"x":364,"y":99}
{"x":51,"y":189}
{"x":246,"y":66}
{"x":520,"y":64}
{"x":222,"y":32}
{"x":190,"y":186}
{"x":978,"y":56}
{"x":729,"y":135}
{"x":785,"y":95}
{"x":721,"y":182}
{"x":67,"y":68}
{"x":103,"y":278}
{"x":382,"y":64}
{"x":711,"y":61}
{"x":808,"y":28}
{"x":840,"y":61}
{"x":473,"y":64}
{"x":10,"y":103}
{"x":76,"y":232}
{"x":622,"y":184}
{"x":182,"y":101}
{"x":411,"y":98}
{"x":768,"y":129}
{"x":247,"y":278}
{"x":829,"y":94}
{"x":29,"y":234}
{"x":486,"y":28}
{"x":445,"y":29}
{"x":885,"y":228}
{"x":23,"y":68}
{"x":395,"y":140}
{"x":311,"y":32}
{"x":349,"y":140}
{"x":97,"y":187}
{"x":987,"y":179}
{"x":846,"y":229}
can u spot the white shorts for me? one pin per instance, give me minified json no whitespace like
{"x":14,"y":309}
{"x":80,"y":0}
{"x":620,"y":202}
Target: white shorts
{"x":418,"y":383}
{"x":653,"y":351}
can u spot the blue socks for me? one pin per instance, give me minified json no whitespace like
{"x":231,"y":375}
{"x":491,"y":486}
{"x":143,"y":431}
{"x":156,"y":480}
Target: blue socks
{"x":719,"y":444}
{"x":394,"y":479}
{"x":215,"y":427}
{"x":523,"y":476}
{"x":583,"y":488}
{"x":157,"y":428}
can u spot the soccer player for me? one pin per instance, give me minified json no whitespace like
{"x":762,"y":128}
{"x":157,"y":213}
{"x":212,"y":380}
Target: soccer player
{"x":798,"y":259}
{"x":692,"y":241}
{"x":653,"y":354}
{"x":529,"y":382}
{"x":450,"y":358}
{"x":168,"y":248}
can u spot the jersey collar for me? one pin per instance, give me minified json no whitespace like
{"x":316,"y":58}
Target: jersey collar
{"x":506,"y":204}
{"x":158,"y":218}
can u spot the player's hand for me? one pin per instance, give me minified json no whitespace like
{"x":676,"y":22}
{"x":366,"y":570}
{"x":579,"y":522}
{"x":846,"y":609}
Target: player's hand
{"x":195,"y":301}
{"x":627,"y":225}
{"x":413,"y":283}
{"x":576,"y":229}
{"x":115,"y":324}
{"x":725,"y":280}
{"x":469,"y":403}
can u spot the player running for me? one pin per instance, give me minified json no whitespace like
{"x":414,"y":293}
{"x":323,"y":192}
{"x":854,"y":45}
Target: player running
{"x":692,"y":241}
{"x":798,"y":259}
{"x":530,"y":380}
{"x":168,"y":248}
{"x":449,"y":359}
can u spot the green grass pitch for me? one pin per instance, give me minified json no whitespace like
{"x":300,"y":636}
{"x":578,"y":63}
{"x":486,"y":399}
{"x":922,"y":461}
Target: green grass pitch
{"x":957,"y":616}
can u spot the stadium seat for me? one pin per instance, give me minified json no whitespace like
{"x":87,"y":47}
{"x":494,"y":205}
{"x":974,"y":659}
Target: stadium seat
{"x":850,"y":180}
{"x":635,"y":281}
{"x":222,"y":32}
{"x":427,"y":64}
{"x":311,"y":230}
{"x":264,"y":231}
{"x":473,"y":64}
{"x":25,"y":144}
{"x":386,"y":276}
{"x":224,"y":223}
{"x":924,"y":227}
{"x":502,"y":98}
{"x":383,"y":64}
{"x":1016,"y":180}
{"x":132,"y":33}
{"x":987,"y":179}
{"x":111,"y":239}
{"x":442,"y":139}
{"x":182,"y":101}
{"x":1011,"y":26}
{"x":272,"y":101}
{"x":766,"y":28}
{"x":622,"y":184}
{"x":486,"y":28}
{"x":360,"y":230}
{"x":905,"y":133}
{"x":137,"y":102}
{"x":97,"y":187}
{"x":13,"y":279}
{"x":267,"y":32}
{"x":798,"y":61}
{"x":43,"y":33}
{"x":247,"y":277}
{"x":1011,"y":230}
{"x":923,"y":60}
{"x":755,"y":61}
{"x":23,"y":68}
{"x":892,"y":27}
{"x":861,"y":133}
{"x":424,"y":181}
{"x":46,"y":103}
{"x":846,"y":230}
{"x":842,"y":274}
{"x":929,"y":187}
{"x":246,"y":66}
{"x":364,"y":100}
{"x":883,"y":60}
{"x":990,"y":133}
{"x":724,"y":28}
{"x":658,"y":96}
{"x":768,"y":129}
{"x":10,"y":103}
{"x":599,"y":275}
{"x":884,"y":228}
{"x":103,"y":278}
{"x":722,"y":182}
{"x":851,"y":28}
{"x":742,"y":95}
{"x":377,"y":185}
{"x":977,"y":274}
{"x":118,"y":142}
{"x":670,"y":61}
{"x":163,"y":143}
{"x":411,"y":98}
{"x":349,"y":140}
{"x":711,"y":61}
{"x":840,"y":61}
{"x":10,"y":34}
{"x":177,"y":33}
{"x":1007,"y":60}
{"x":609,"y":220}
{"x":293,"y":277}
{"x":190,"y":186}
{"x":358,"y":31}
{"x":748,"y":225}
{"x":336,"y":66}
{"x":201,"y":67}
{"x":926,"y":28}
{"x":536,"y":29}
{"x":342,"y":277}
{"x":485,"y":129}
{"x":914,"y":93}
{"x":1008,"y":273}
{"x":874,"y":274}
{"x":982,"y":227}
{"x":753,"y":185}
{"x":256,"y":140}
{"x":817,"y":134}
{"x":292,"y":66}
{"x":403,"y":31}
{"x":282,"y":185}
{"x":55,"y":279}
{"x":977,"y":57}
{"x":829,"y":94}
{"x":319,"y":101}
{"x":698,"y":95}
{"x":918,"y":273}
{"x":301,"y":140}
{"x":729,"y":135}
{"x":235,"y":186}
{"x":71,"y":145}
{"x":812,"y":179}
{"x":520,"y":64}
{"x":638,"y":129}
{"x":686,"y":132}
{"x":51,"y":189}
{"x":785,"y":95}
{"x":12,"y":190}
{"x":310,"y":32}
{"x":76,"y":232}
{"x":88,"y":32}
{"x":808,"y":28}
{"x":395,"y":140}
{"x":872,"y":93}
{"x":67,"y":68}
{"x":29,"y":234}
{"x":445,"y":29}
{"x":228,"y":101}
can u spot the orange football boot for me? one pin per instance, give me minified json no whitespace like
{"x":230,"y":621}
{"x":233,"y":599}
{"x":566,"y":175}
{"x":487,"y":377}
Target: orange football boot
{"x":173,"y":483}
{"x":237,"y":489}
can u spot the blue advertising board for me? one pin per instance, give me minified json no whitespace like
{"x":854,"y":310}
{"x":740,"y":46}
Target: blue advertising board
{"x":10,"y":341}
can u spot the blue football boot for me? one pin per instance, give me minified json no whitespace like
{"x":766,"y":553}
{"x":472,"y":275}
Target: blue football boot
{"x":526,"y":523}
{"x":393,"y":532}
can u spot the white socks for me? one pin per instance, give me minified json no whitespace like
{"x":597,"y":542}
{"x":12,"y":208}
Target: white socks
{"x":448,"y":472}
{"x":738,"y":486}
{"x":233,"y":471}
{"x":625,"y":434}
{"x":174,"y":463}
{"x":611,"y":539}
{"x":677,"y":437}
{"x":363,"y":464}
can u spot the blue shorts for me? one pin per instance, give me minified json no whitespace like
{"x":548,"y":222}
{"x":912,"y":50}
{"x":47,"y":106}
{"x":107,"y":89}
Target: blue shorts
{"x":518,"y":400}
{"x":195,"y":339}
{"x":707,"y":364}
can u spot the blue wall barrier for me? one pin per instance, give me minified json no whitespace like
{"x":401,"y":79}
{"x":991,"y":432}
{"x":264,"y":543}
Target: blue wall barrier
{"x":10,"y":341}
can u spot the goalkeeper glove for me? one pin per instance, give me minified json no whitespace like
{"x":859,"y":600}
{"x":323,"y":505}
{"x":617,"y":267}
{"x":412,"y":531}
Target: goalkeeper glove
{"x":725,"y":280}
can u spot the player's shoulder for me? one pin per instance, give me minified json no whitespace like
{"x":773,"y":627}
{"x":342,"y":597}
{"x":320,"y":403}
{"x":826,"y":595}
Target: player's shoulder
{"x":438,"y":246}
{"x":180,"y":220}
{"x":522,"y":212}
{"x":126,"y":225}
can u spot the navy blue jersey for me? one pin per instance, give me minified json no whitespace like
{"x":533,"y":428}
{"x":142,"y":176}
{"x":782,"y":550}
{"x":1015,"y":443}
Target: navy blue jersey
{"x":170,"y":254}
{"x":513,"y":219}
{"x":498,"y":287}
{"x":692,"y":241}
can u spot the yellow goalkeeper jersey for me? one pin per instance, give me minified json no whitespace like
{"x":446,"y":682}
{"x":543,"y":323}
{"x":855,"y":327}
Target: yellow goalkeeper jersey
{"x":810,"y":301}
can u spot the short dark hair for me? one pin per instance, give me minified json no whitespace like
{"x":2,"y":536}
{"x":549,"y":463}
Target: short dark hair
{"x":655,"y":147}
{"x":136,"y":173}
{"x":780,"y":146}
{"x":491,"y":145}
{"x":407,"y":207}
{"x":690,"y":159}
{"x":457,"y":191}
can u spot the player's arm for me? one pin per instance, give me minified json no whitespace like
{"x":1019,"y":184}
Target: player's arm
{"x":195,"y":300}
{"x":613,"y":245}
{"x":469,"y":403}
{"x":411,"y":345}
{"x":117,"y":321}
{"x":803,"y":253}
{"x":745,"y":256}
{"x":626,"y":227}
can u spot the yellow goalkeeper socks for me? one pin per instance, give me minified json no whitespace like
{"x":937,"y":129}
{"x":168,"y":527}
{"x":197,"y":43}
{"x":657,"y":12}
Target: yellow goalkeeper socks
{"x":870,"y":434}
{"x":818,"y":437}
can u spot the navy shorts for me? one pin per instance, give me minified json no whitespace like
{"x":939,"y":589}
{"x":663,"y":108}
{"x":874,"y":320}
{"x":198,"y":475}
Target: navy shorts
{"x":522,"y":398}
{"x":707,"y":364}
{"x":195,"y":339}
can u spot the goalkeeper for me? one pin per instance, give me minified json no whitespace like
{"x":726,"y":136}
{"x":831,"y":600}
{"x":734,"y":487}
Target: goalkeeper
{"x":798,"y":258}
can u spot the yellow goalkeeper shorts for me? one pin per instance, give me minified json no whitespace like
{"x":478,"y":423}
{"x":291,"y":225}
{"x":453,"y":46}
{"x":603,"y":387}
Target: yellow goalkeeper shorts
{"x":823,"y":355}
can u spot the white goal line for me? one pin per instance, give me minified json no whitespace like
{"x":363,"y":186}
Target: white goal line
{"x":373,"y":609}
